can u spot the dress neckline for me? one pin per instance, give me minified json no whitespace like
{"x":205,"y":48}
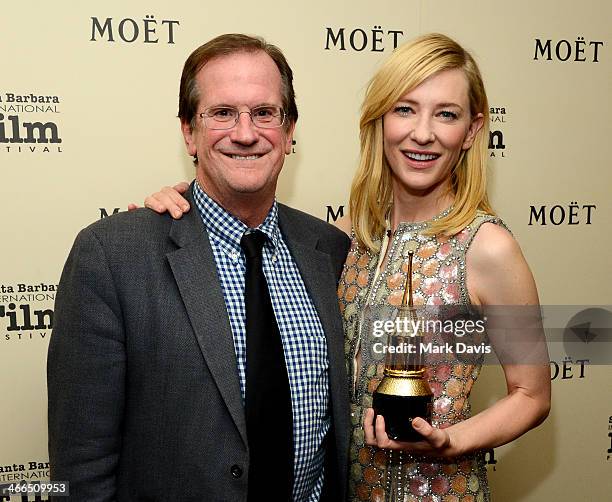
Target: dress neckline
{"x":416,"y":225}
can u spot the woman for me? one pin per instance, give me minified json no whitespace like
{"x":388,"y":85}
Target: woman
{"x":421,"y":188}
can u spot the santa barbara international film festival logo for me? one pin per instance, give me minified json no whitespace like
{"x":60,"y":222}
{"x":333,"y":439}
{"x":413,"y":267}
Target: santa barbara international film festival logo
{"x":33,"y":470}
{"x":29,"y":123}
{"x":497,"y":144}
{"x":26,"y":311}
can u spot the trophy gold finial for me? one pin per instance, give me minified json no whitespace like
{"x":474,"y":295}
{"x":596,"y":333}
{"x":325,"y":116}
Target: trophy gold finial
{"x":408,"y":284}
{"x":408,"y":297}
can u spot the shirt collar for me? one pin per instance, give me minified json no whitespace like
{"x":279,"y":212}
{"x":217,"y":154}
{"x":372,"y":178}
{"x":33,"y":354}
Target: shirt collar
{"x":226,"y":226}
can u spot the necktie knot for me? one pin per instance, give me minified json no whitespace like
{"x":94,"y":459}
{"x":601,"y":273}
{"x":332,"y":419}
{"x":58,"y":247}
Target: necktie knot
{"x":252,"y":243}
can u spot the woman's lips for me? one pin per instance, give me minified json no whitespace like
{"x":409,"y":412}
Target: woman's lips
{"x":420,"y":159}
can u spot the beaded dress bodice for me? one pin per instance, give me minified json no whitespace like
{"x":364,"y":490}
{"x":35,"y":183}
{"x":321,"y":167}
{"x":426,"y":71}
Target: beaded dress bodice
{"x":439,"y":278}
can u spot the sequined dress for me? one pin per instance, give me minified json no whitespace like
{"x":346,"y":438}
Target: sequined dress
{"x":439,"y":272}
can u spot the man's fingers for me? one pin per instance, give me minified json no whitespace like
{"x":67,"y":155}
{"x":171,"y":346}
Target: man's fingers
{"x":132,"y":206}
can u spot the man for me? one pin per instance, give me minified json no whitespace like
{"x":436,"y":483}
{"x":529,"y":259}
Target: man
{"x":184,"y":365}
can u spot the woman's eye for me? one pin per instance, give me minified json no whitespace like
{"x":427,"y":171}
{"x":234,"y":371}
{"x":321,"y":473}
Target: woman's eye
{"x":448,"y":115}
{"x":402,"y":110}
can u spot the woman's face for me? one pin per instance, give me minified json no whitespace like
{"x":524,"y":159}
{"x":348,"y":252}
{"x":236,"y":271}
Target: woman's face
{"x":425,"y":132}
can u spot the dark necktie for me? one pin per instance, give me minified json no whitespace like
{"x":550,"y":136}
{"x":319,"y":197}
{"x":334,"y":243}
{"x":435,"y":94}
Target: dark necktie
{"x":269,"y":418}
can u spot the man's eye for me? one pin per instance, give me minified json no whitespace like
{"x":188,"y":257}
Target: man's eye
{"x":222,"y":113}
{"x":264,"y":112}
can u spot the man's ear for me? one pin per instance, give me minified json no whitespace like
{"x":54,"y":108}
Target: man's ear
{"x":289,"y":138}
{"x":188,"y":136}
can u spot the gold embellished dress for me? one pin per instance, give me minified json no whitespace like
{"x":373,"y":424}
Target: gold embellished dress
{"x":439,"y":273}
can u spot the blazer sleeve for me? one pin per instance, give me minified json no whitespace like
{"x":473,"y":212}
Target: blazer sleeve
{"x":86,"y":369}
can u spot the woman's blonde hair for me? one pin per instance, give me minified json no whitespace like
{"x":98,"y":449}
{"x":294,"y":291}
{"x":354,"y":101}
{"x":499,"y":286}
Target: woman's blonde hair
{"x":371,"y":192}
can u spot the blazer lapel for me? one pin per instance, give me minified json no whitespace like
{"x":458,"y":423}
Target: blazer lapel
{"x":195,"y":272}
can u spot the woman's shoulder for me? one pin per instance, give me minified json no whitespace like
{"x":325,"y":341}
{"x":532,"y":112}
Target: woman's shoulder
{"x":493,"y":245}
{"x":498,"y":272}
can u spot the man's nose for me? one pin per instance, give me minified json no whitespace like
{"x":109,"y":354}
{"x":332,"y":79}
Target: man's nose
{"x":244,"y":131}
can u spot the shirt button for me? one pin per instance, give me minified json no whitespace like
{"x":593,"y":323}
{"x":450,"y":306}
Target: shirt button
{"x":236,"y":471}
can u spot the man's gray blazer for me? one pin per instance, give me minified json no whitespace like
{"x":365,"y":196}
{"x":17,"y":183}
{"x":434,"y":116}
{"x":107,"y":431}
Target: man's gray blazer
{"x":144,"y":397}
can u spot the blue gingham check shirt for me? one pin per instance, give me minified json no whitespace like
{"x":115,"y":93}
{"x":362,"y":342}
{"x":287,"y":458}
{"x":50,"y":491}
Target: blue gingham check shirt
{"x":302,"y":335}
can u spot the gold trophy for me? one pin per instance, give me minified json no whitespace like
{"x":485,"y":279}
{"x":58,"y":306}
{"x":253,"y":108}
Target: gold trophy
{"x":404,"y":394}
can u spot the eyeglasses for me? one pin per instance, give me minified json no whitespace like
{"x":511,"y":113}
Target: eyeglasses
{"x":226,"y":117}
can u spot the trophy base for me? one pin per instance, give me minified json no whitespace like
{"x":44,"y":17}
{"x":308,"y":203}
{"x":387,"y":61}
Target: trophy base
{"x":399,"y":411}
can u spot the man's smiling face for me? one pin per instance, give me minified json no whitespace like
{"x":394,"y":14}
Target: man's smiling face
{"x":244,"y":160}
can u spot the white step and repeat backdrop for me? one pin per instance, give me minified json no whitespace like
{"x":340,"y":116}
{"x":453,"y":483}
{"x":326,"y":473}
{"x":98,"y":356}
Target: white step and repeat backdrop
{"x":88,"y":102}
